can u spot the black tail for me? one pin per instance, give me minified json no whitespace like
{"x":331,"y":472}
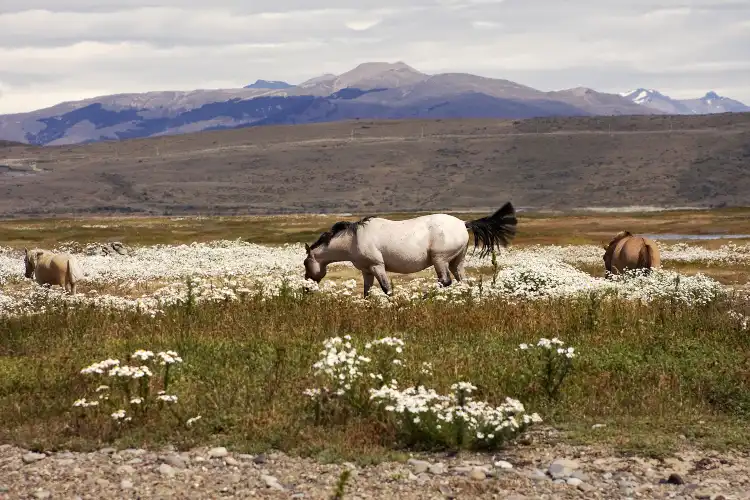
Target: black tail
{"x":496,"y":230}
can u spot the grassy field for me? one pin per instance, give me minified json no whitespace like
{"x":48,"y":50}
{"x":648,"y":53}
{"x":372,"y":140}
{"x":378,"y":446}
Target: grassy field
{"x":657,"y":374}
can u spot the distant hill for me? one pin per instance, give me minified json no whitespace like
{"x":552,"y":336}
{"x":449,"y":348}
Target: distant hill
{"x":265,"y":84}
{"x":367,"y":166}
{"x":374,"y":90}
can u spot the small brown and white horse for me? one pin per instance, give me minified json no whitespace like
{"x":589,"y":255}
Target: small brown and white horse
{"x":53,"y":268}
{"x":627,"y":251}
{"x":377,"y":246}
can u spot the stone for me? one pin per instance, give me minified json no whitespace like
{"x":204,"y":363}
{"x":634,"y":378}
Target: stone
{"x":437,"y":469}
{"x":245,"y":457}
{"x":231,"y":462}
{"x":419,"y":466}
{"x":41,"y":494}
{"x":126,"y":484}
{"x":585,"y":487}
{"x":166,"y":470}
{"x":574,"y":481}
{"x":126,"y":470}
{"x":31,"y":457}
{"x":219,"y":452}
{"x":260,"y":458}
{"x":107,"y":451}
{"x":446,"y":491}
{"x":538,"y":475}
{"x":477,"y":474}
{"x":562,"y":469}
{"x":66,"y":462}
{"x":675,"y":478}
{"x":271,"y":482}
{"x":175,"y":461}
{"x":502,"y":464}
{"x":580,"y":475}
{"x":101,"y":482}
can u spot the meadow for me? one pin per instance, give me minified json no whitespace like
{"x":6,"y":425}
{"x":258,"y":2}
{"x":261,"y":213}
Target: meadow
{"x":213,"y":338}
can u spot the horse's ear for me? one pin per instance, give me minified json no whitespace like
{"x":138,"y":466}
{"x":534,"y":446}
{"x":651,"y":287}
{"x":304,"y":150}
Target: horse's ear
{"x":26,"y":250}
{"x":307,"y":248}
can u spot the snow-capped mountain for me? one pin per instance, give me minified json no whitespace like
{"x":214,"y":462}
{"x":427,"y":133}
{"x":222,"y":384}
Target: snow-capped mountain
{"x":656,"y":100}
{"x":709,"y":103}
{"x":714,"y":103}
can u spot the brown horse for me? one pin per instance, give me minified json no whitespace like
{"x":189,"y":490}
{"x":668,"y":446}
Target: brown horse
{"x":51,"y":268}
{"x":627,"y":251}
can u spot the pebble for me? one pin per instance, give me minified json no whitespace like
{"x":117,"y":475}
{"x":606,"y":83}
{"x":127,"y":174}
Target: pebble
{"x":260,"y":459}
{"x":42,"y":494}
{"x":108,"y":451}
{"x":271,"y":482}
{"x":166,"y":470}
{"x":175,"y":461}
{"x":562,"y":469}
{"x":675,"y":479}
{"x":477,"y":474}
{"x":126,"y":470}
{"x":502,"y":464}
{"x":418,"y":466}
{"x":126,"y":484}
{"x":574,"y":481}
{"x":102,"y":482}
{"x":219,"y":452}
{"x":231,"y":462}
{"x":437,"y":469}
{"x":31,"y":457}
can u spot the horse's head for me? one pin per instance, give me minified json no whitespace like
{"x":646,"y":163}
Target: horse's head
{"x":29,"y":260}
{"x":313,"y":269}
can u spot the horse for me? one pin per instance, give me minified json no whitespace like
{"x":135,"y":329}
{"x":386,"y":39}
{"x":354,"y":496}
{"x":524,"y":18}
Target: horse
{"x":376,"y":246}
{"x":627,"y":251}
{"x":53,"y":268}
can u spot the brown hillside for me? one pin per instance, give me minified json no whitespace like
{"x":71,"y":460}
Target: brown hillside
{"x":367,"y":167}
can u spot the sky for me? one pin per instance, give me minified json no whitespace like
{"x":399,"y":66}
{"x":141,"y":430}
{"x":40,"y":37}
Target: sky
{"x":61,"y":50}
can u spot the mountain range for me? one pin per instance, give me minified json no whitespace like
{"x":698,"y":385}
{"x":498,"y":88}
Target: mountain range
{"x":374,"y":90}
{"x":708,"y":104}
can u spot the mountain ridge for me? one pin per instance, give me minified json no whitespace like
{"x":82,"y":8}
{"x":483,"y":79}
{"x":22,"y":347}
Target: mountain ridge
{"x":371,"y":90}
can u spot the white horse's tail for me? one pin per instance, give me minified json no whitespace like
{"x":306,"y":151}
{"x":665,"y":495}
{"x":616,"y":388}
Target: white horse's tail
{"x":74,"y":271}
{"x":496,"y":230}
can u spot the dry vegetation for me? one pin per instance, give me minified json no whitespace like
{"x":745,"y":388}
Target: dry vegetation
{"x":655,"y":374}
{"x":399,"y":166}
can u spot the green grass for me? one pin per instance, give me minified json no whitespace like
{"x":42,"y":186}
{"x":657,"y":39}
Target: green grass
{"x":651,"y":373}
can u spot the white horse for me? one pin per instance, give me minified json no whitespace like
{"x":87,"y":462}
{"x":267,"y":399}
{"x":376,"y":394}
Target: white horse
{"x":53,"y":268}
{"x":376,"y":246}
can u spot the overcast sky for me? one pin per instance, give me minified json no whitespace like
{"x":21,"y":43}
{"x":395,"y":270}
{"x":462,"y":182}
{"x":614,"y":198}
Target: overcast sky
{"x":58,"y":50}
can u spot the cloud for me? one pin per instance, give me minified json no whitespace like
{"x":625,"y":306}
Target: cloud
{"x":58,"y":50}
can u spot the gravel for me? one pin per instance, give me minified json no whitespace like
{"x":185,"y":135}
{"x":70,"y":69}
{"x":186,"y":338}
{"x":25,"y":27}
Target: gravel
{"x":527,"y":472}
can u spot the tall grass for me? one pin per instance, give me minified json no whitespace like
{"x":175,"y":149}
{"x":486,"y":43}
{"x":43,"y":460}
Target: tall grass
{"x":657,"y":367}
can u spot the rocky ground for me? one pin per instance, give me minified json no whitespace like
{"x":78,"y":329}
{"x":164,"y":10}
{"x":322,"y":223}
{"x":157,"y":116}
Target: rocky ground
{"x":525,"y":472}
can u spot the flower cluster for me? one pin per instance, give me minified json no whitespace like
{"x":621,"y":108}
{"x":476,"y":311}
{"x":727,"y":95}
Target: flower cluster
{"x":128,"y":393}
{"x":416,"y":411}
{"x":554,"y":361}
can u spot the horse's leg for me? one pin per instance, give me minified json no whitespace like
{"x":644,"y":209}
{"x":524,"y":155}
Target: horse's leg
{"x":441,"y":268}
{"x":382,"y":277}
{"x":457,"y":266}
{"x":369,"y":279}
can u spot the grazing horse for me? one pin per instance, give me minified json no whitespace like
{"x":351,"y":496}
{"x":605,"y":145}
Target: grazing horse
{"x":53,"y":268}
{"x":376,"y":246}
{"x":627,"y":251}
